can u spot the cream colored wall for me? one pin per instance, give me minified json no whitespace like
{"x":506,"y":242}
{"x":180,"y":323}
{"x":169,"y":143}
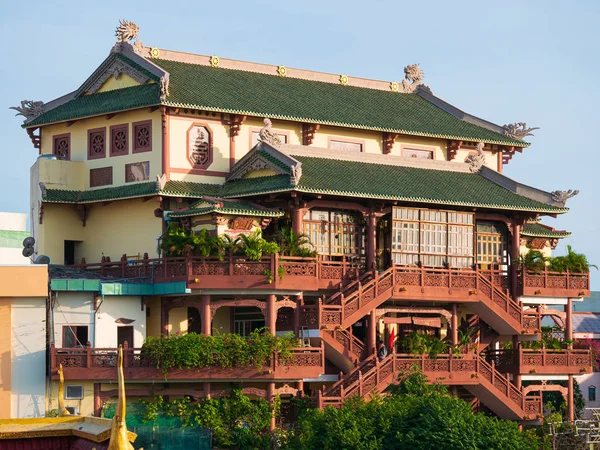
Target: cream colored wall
{"x":121,"y":227}
{"x":28,"y":369}
{"x":243,"y":142}
{"x":123,"y":81}
{"x":491,"y":159}
{"x":85,"y":405}
{"x":178,"y":320}
{"x":79,"y":145}
{"x":546,"y":251}
{"x":153,"y":321}
{"x":60,"y":223}
{"x":24,"y":281}
{"x":117,"y":307}
{"x":73,"y":308}
{"x":222,"y":321}
{"x":438,"y":146}
{"x":371,"y":139}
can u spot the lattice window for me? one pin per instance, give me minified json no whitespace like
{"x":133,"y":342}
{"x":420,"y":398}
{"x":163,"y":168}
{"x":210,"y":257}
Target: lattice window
{"x":432,"y":237}
{"x":199,"y":146}
{"x":139,"y":171}
{"x":101,"y":176}
{"x":142,"y":136}
{"x":333,"y":233}
{"x":491,"y":243}
{"x":61,"y":146}
{"x":247,"y":319}
{"x":97,"y":143}
{"x":119,"y":140}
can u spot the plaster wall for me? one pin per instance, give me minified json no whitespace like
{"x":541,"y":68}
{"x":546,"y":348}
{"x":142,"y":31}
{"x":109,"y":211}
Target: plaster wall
{"x":74,"y":308}
{"x":371,"y":140}
{"x":85,"y":405}
{"x":243,"y":142}
{"x":119,"y":307}
{"x":28,"y":362}
{"x":79,"y":147}
{"x":585,"y":381}
{"x":153,"y":320}
{"x":24,"y":281}
{"x":491,"y":159}
{"x":13,"y":256}
{"x":124,"y":81}
{"x":13,"y":221}
{"x":5,"y":357}
{"x":61,"y":223}
{"x":178,"y":320}
{"x":222,"y":321}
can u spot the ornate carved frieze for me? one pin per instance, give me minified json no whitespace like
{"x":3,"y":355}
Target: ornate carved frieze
{"x":164,"y":87}
{"x":563,"y":196}
{"x":518,"y":130}
{"x":255,"y":162}
{"x":115,"y":69}
{"x":29,"y":109}
{"x":477,"y":161}
{"x":286,"y":389}
{"x":388,"y":142}
{"x":214,"y":306}
{"x":308,"y":132}
{"x":285,"y":303}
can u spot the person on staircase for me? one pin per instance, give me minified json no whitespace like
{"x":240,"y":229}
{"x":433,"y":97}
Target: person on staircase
{"x":381,"y":350}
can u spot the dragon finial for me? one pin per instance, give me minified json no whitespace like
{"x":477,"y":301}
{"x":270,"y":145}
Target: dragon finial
{"x":563,"y":196}
{"x":413,"y":78}
{"x":62,"y":411}
{"x":29,"y":109}
{"x":126,"y":31}
{"x":518,"y":130}
{"x":477,"y":161}
{"x":119,"y":439}
{"x":266,"y":135}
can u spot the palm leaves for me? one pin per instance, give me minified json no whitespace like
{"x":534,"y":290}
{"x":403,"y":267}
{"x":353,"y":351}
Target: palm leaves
{"x":294,"y":244}
{"x":573,"y":262}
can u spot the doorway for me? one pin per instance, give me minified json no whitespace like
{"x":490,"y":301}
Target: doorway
{"x":125,"y":334}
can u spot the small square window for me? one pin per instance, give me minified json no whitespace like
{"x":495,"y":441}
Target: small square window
{"x":592,"y":393}
{"x":142,"y":136}
{"x":97,"y":143}
{"x":347,"y":146}
{"x":75,"y":336}
{"x":417,"y":153}
{"x":119,"y":140}
{"x":61,"y":146}
{"x":73,"y":392}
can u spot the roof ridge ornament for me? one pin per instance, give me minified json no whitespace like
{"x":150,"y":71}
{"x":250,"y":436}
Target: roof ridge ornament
{"x":29,"y":109}
{"x":518,"y":130}
{"x":126,"y":32}
{"x":413,"y":78}
{"x":563,"y":196}
{"x":267,"y":136}
{"x":164,"y":87}
{"x":477,"y":161}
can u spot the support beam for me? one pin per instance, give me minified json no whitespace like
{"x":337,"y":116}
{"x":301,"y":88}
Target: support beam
{"x":166,"y":152}
{"x":515,"y":254}
{"x":454,"y":324}
{"x":270,"y":399}
{"x":569,"y":321}
{"x":517,"y":379}
{"x":97,"y":400}
{"x":372,"y":332}
{"x":308,"y":132}
{"x":571,"y":400}
{"x":300,"y":387}
{"x":205,"y":315}
{"x":371,"y":239}
{"x":299,"y":302}
{"x":271,"y":315}
{"x":297,"y":219}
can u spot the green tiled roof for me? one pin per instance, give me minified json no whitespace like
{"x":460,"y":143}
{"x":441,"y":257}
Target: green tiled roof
{"x":544,"y":231}
{"x":237,"y":207}
{"x":379,"y":181}
{"x":132,"y":190}
{"x":250,"y":93}
{"x":190,"y":189}
{"x":101,"y":103}
{"x":12,"y":238}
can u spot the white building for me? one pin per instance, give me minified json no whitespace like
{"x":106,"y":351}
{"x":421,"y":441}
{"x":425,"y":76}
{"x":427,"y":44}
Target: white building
{"x":13,"y":229}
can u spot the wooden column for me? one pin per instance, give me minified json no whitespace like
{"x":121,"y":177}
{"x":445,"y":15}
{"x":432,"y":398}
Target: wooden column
{"x":569,"y":321}
{"x":97,"y":400}
{"x":166,"y":154}
{"x":300,"y":387}
{"x":206,"y":389}
{"x":371,"y":239}
{"x":372,"y":332}
{"x":270,"y":399}
{"x":271,"y":314}
{"x":570,"y":400}
{"x":515,"y":253}
{"x":205,"y":315}
{"x":164,"y":317}
{"x":517,"y":380}
{"x":454,"y":324}
{"x":299,"y":302}
{"x":297,"y":219}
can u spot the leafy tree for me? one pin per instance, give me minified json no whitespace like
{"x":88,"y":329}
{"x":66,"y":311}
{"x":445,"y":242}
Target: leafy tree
{"x":254,"y":246}
{"x":294,"y":244}
{"x":574,"y":262}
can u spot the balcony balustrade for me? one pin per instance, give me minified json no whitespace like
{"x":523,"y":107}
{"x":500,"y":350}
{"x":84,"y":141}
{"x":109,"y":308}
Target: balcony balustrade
{"x":90,"y":363}
{"x":553,"y":284}
{"x":542,"y":361}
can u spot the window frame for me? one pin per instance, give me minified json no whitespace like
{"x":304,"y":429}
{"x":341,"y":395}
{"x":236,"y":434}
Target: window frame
{"x":210,"y":146}
{"x":71,"y":328}
{"x":350,"y":232}
{"x":426,"y":148}
{"x":92,"y":156}
{"x":591,"y":389}
{"x":68,"y":397}
{"x":62,"y":136}
{"x":276,"y":131}
{"x":115,"y":129}
{"x":134,"y":147}
{"x":345,"y":140}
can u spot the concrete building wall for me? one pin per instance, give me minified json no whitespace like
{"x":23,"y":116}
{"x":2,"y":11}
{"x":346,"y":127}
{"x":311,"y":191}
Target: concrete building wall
{"x":71,"y":309}
{"x":119,"y":307}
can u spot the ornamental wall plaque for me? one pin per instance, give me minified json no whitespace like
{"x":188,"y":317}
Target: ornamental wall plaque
{"x":199,"y":146}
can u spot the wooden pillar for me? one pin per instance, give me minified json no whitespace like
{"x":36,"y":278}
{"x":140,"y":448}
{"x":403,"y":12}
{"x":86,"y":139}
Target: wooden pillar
{"x":371,"y":239}
{"x":97,"y":400}
{"x":571,"y":400}
{"x":569,"y":321}
{"x":514,"y":260}
{"x":166,"y":156}
{"x":517,"y":380}
{"x":299,"y":302}
{"x":372,"y":332}
{"x":164,"y":317}
{"x":297,"y":219}
{"x":205,"y":315}
{"x":454,"y":324}
{"x":206,"y":388}
{"x":300,"y":387}
{"x":271,"y":314}
{"x":270,"y":399}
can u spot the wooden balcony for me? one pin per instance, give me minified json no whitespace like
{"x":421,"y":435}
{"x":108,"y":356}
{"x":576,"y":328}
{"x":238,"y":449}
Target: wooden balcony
{"x":234,"y":272}
{"x":542,"y":361}
{"x":101,"y":364}
{"x":553,"y":284}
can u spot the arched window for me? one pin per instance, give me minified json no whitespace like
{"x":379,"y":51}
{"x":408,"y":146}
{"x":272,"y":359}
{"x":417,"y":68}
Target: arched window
{"x":592,"y":393}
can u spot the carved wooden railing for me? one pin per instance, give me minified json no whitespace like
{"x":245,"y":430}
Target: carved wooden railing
{"x":354,"y":346}
{"x":372,"y":374}
{"x":554,"y":284}
{"x":94,"y":358}
{"x":542,"y":361}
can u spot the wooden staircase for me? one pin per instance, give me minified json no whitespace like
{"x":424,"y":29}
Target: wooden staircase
{"x":474,"y":373}
{"x":342,"y":348}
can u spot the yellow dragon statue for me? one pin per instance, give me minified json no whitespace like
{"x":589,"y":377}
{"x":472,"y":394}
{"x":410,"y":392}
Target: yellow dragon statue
{"x":118,"y":436}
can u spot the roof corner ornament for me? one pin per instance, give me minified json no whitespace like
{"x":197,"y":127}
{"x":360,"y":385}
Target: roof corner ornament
{"x":267,"y":136}
{"x":29,"y":109}
{"x":477,"y":161}
{"x":126,"y":32}
{"x":413,"y":78}
{"x":164,"y":87}
{"x":518,"y":130}
{"x":161,"y":180}
{"x":296,"y":174}
{"x":563,"y":196}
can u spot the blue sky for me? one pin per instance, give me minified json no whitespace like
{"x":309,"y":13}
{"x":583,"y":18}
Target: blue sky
{"x":509,"y":61}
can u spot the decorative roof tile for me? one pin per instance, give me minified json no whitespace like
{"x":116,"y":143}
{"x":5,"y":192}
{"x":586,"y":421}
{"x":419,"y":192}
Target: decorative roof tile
{"x":544,"y":231}
{"x":234,"y":207}
{"x":132,"y":190}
